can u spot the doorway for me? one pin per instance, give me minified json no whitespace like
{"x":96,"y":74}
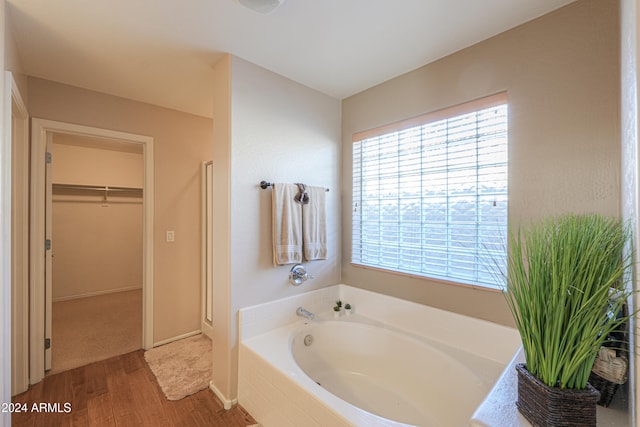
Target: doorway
{"x":96,"y":223}
{"x":41,"y":295}
{"x":19,"y":238}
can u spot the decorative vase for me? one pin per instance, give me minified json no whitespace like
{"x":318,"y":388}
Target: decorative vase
{"x":336,"y":314}
{"x":545,"y":406}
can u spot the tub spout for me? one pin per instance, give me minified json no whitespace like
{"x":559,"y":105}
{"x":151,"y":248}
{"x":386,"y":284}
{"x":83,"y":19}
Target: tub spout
{"x":302,"y":312}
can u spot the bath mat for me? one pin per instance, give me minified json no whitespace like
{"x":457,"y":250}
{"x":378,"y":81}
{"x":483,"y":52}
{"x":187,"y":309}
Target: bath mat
{"x":182,"y":367}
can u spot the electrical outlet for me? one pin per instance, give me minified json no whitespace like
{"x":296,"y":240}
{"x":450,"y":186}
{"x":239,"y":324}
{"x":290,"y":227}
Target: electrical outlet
{"x":171,"y":236}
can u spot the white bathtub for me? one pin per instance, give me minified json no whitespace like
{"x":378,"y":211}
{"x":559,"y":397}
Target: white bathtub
{"x":408,"y":364}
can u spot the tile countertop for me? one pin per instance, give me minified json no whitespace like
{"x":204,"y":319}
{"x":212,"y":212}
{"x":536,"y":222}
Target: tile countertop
{"x":499,"y":408}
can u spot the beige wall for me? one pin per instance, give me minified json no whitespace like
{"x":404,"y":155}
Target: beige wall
{"x":97,"y":243}
{"x":281,"y":132}
{"x":13,"y":62}
{"x":562,"y":77}
{"x":20,"y":216}
{"x":88,"y":161}
{"x":181,"y":142}
{"x":275,"y":130}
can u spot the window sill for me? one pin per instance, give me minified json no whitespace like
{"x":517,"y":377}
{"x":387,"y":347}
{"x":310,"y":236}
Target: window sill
{"x":428,"y":278}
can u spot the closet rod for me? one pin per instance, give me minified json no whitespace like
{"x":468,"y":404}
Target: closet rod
{"x":94,"y":188}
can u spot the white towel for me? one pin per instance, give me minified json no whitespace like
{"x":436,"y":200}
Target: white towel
{"x":314,"y":225}
{"x":287,"y":225}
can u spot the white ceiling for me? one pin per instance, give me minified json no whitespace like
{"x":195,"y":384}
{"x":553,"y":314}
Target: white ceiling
{"x":162,"y":51}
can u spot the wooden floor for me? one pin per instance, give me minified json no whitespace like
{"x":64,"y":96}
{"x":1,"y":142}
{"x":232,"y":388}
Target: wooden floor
{"x":121,"y":391}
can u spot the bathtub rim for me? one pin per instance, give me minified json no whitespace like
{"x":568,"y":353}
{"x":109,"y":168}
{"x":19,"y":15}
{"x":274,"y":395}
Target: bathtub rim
{"x":389,"y":310}
{"x":257,"y":320}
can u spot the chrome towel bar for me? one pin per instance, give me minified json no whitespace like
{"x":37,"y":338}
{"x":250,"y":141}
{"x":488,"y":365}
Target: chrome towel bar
{"x":264,"y":185}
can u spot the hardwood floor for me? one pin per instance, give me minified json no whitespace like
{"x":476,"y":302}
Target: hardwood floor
{"x":121,"y":391}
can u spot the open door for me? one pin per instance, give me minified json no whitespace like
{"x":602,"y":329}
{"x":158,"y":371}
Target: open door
{"x":48,"y":255}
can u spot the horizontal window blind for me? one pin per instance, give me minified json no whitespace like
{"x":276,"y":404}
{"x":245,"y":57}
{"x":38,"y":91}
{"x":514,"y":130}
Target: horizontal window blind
{"x":431,"y":199}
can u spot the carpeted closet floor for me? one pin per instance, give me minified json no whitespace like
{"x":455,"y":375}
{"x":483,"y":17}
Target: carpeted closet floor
{"x":90,"y":329}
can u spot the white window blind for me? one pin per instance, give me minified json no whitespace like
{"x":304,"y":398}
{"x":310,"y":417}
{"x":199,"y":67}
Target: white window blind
{"x":430,"y":194}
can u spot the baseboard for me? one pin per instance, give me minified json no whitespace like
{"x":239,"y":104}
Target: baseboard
{"x":226,"y":403}
{"x":207,"y":329}
{"x":176,"y":338}
{"x":95,"y":294}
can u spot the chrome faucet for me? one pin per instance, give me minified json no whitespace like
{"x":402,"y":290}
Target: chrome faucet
{"x":303,"y":312}
{"x":298,"y":275}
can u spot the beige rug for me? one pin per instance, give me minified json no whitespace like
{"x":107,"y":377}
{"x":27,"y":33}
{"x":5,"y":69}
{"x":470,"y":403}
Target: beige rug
{"x":182,"y":367}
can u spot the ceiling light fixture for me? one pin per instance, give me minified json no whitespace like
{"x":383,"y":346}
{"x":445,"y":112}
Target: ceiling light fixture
{"x":261,"y":6}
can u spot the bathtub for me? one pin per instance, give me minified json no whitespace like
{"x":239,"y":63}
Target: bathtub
{"x":391,"y":363}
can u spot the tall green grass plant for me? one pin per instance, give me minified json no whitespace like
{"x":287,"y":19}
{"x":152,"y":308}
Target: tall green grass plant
{"x":564,"y":283}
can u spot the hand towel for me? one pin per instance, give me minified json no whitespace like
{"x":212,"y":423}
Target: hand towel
{"x":302,"y":197}
{"x":287,"y":225}
{"x":314,"y":225}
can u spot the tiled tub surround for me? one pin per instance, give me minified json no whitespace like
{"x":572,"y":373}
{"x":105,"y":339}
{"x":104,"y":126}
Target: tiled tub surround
{"x":423,"y":358}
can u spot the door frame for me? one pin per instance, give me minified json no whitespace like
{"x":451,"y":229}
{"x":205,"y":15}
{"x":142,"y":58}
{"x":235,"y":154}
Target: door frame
{"x":206,"y":321}
{"x":41,"y":129}
{"x":19,"y":140}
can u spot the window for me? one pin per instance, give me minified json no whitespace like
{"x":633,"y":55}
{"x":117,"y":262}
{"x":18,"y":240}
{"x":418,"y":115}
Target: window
{"x":430,"y":194}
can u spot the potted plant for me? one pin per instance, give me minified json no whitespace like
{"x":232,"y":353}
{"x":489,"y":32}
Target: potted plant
{"x":347,"y":309}
{"x":564,"y":287}
{"x":336,"y":311}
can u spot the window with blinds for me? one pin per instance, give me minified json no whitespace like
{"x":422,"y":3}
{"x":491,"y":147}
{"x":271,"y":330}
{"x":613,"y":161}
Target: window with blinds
{"x":430,"y":194}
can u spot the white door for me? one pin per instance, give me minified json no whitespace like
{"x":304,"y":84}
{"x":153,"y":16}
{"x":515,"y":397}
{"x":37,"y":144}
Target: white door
{"x":48,"y":255}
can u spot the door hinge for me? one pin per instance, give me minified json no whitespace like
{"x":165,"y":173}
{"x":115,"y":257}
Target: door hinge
{"x":47,"y":157}
{"x":47,"y":244}
{"x":47,"y":343}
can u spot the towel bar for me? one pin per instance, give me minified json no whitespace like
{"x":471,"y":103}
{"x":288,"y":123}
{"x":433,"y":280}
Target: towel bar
{"x":264,"y":185}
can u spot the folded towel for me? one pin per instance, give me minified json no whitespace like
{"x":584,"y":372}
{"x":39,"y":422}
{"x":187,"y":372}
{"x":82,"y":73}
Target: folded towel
{"x":287,"y":225}
{"x":314,"y":225}
{"x":302,"y":197}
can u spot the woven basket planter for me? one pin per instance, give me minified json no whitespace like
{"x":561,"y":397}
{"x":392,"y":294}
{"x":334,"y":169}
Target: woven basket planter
{"x":606,"y":388}
{"x":545,"y":406}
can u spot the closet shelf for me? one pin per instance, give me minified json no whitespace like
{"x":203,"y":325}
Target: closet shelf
{"x":78,"y":187}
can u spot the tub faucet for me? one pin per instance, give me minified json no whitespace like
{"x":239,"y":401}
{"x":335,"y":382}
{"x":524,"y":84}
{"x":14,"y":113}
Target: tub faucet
{"x":303,"y":312}
{"x":298,"y":275}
